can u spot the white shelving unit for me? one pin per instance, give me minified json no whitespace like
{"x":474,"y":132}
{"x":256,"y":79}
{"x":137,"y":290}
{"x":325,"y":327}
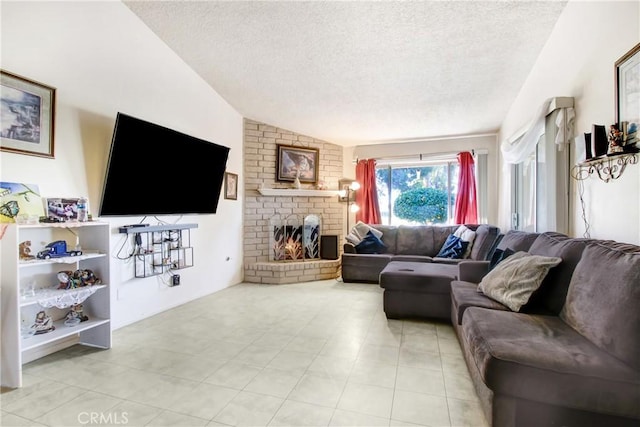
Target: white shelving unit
{"x":20,"y":305}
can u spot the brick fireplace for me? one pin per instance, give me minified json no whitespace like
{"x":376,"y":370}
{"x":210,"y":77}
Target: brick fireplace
{"x":270,"y":218}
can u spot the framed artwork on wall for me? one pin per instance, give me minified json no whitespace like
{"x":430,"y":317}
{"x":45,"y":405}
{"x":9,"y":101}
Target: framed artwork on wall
{"x":28,"y":113}
{"x":297,"y":162}
{"x":230,"y":186}
{"x":20,"y":203}
{"x":627,"y":79}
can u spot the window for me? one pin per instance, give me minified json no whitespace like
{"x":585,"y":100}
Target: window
{"x":417,"y":193}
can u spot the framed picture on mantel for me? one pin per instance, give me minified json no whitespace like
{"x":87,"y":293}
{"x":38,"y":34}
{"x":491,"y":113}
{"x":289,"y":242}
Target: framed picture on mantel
{"x":28,"y":112}
{"x":627,"y":78}
{"x":297,"y":162}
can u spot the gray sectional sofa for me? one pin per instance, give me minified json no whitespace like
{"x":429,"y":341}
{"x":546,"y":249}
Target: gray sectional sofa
{"x":419,"y":243}
{"x":571,"y":355}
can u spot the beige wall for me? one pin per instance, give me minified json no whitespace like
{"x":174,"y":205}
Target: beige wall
{"x":260,"y":142}
{"x":102,"y":59}
{"x":578,"y":60}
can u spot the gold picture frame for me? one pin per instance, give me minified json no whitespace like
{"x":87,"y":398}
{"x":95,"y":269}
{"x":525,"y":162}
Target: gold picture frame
{"x":28,"y":110}
{"x":627,"y":81}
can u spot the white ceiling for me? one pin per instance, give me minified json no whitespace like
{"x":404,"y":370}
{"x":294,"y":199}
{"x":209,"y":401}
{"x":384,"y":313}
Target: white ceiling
{"x":360,"y":72}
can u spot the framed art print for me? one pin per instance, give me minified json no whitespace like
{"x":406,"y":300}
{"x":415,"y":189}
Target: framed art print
{"x":230,"y":186}
{"x":627,"y":78}
{"x":18,"y":201}
{"x":28,"y":113}
{"x":297,"y":162}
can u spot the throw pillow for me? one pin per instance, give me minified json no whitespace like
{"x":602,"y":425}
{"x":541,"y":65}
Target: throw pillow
{"x":352,"y":238}
{"x":454,"y":247}
{"x":500,"y":255}
{"x":361,"y":229}
{"x":371,"y":244}
{"x":514,"y":280}
{"x":466,"y":235}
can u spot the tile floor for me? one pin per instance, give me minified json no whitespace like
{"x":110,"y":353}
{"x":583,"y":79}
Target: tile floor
{"x":309,"y":354}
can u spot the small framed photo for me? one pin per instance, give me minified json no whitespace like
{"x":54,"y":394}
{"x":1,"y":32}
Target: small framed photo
{"x":230,"y":186}
{"x":297,"y":162}
{"x":62,"y":209}
{"x":627,"y":78}
{"x":28,"y":113}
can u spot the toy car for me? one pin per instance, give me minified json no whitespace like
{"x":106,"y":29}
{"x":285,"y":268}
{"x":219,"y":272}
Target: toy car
{"x":57,"y":249}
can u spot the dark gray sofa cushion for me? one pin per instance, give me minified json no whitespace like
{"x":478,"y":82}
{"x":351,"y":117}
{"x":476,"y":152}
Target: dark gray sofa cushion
{"x":550,"y":296}
{"x":486,"y":235}
{"x":517,"y":240}
{"x":603,"y":297}
{"x":465,"y":295}
{"x":389,"y":236}
{"x":421,"y":240}
{"x":543,"y":359}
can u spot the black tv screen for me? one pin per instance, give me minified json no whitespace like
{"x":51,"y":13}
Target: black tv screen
{"x":154,"y":170}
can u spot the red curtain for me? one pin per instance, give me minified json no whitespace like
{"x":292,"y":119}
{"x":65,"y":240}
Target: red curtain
{"x":367,"y":195}
{"x":466,"y":211}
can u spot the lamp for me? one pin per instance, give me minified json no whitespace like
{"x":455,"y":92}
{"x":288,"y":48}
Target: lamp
{"x":348,"y":188}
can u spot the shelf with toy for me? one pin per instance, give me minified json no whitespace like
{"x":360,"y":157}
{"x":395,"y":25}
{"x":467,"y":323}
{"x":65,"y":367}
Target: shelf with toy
{"x":61,"y":331}
{"x":60,"y":298}
{"x":62,"y":260}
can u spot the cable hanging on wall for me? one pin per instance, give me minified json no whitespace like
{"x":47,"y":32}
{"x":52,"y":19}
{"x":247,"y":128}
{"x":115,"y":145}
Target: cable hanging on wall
{"x":587,"y":226}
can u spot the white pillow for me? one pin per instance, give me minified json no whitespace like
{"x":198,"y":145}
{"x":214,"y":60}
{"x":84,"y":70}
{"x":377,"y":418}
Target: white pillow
{"x":514,"y":280}
{"x":361,"y":229}
{"x":466,"y":235}
{"x":353,"y":239}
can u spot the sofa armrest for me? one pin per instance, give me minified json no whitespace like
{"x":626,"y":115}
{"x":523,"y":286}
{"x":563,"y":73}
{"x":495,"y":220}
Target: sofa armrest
{"x":472,"y":271}
{"x":348,"y":248}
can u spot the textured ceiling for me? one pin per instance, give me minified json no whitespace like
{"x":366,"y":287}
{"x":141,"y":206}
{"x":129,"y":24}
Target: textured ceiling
{"x":360,"y":72}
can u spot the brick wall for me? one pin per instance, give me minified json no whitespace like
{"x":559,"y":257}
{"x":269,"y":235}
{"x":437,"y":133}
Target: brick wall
{"x":260,"y":152}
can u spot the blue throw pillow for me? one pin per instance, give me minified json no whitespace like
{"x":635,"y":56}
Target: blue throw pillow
{"x":453,"y":248}
{"x":370,"y":245}
{"x":498,"y":256}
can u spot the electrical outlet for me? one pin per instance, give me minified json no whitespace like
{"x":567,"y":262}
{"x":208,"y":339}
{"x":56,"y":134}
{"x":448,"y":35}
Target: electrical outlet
{"x":175,"y":280}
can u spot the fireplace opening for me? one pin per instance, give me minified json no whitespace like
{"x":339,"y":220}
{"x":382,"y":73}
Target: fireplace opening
{"x":293,"y":238}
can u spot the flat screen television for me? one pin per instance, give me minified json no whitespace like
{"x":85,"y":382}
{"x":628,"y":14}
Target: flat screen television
{"x":154,"y":170}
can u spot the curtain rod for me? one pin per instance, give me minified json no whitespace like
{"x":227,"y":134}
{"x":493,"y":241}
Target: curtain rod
{"x":425,"y":156}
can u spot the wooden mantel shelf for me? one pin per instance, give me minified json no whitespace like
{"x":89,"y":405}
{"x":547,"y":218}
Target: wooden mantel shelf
{"x":289,"y":192}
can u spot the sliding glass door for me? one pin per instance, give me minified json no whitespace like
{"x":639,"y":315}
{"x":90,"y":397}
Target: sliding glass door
{"x":540,"y":186}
